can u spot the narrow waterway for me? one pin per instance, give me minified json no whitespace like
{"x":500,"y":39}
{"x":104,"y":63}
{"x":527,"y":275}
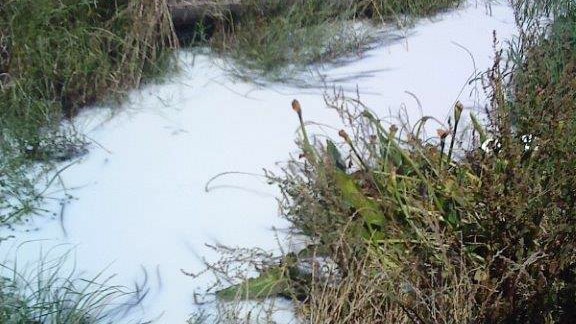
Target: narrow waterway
{"x":140,"y":209}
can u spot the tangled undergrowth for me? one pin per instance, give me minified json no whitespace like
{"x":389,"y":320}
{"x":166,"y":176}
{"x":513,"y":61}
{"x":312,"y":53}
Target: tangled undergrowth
{"x":405,"y":227}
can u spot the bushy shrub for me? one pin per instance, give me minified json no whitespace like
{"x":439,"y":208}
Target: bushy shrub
{"x":424,"y":230}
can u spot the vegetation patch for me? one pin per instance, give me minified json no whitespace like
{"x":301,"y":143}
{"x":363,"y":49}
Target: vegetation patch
{"x":277,"y":38}
{"x":421,"y":228}
{"x":49,"y":292}
{"x":59,"y":56}
{"x":56,"y":57}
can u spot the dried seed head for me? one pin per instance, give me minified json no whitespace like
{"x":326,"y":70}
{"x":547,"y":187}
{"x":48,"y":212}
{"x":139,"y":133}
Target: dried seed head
{"x":442,"y":133}
{"x":458,"y":108}
{"x":296,"y":106}
{"x":392,"y":130}
{"x":342,"y":133}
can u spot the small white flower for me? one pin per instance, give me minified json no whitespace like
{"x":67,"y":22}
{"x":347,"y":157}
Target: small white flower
{"x":486,"y":145}
{"x":491,"y":145}
{"x":529,"y":141}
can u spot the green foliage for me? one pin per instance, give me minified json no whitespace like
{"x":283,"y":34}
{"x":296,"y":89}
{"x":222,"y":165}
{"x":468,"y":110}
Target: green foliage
{"x":531,"y":184}
{"x":55,"y":58}
{"x":65,"y":55}
{"x":388,"y":210}
{"x":271,"y":38}
{"x":50,"y":293}
{"x":396,"y":8}
{"x":276,"y":38}
{"x":59,"y":56}
{"x":272,"y":282}
{"x":419,"y":236}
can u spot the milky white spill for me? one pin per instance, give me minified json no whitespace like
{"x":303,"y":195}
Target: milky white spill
{"x":141,"y":204}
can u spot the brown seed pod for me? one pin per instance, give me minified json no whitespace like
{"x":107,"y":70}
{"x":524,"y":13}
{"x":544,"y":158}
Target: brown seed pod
{"x":458,"y":108}
{"x":296,"y":106}
{"x":342,"y":133}
{"x":442,"y":133}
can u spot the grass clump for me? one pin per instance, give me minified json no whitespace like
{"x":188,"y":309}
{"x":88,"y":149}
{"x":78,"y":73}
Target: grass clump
{"x":271,"y":38}
{"x":59,"y":56}
{"x":65,"y":55}
{"x":396,"y":216}
{"x":276,"y":38}
{"x":50,"y":292}
{"x":398,"y":8}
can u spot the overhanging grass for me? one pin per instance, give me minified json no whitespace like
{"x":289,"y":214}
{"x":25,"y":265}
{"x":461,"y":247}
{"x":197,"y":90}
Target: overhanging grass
{"x":277,"y":38}
{"x":57,"y":57}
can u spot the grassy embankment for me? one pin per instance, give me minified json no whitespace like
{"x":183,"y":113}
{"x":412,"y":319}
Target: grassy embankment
{"x":418,"y":235}
{"x":55,"y":58}
{"x":276,"y":39}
